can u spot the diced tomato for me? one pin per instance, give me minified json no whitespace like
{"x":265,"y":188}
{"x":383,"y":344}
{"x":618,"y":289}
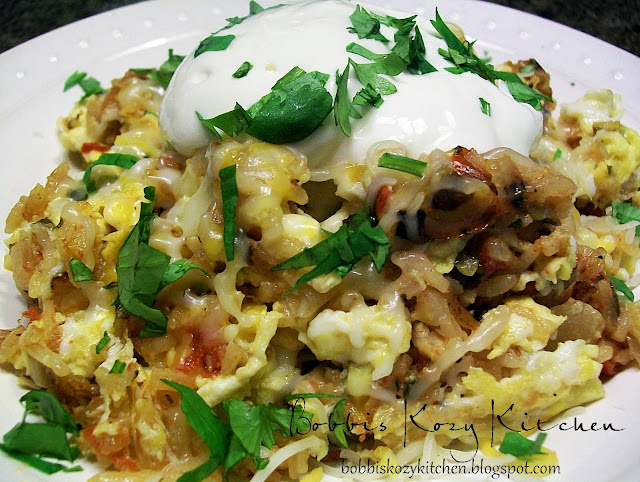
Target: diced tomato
{"x":88,"y":147}
{"x":462,"y":166}
{"x":167,"y":160}
{"x":610,"y":368}
{"x":114,"y":448}
{"x":202,"y":358}
{"x":488,"y":264}
{"x":32,"y":314}
{"x":381,"y":199}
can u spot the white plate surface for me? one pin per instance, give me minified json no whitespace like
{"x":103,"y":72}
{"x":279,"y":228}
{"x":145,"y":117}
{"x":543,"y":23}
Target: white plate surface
{"x":31,"y":100}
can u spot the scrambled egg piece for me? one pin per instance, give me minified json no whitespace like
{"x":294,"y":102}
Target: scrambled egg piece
{"x":305,"y":232}
{"x":547,"y":457}
{"x":373,"y":335}
{"x":120,"y":202}
{"x":530,"y":326}
{"x":619,"y":240}
{"x":548,"y":271}
{"x":443,"y":254}
{"x":83,"y":330}
{"x":548,"y":384}
{"x":592,"y":148}
{"x":255,"y":330}
{"x":73,"y":128}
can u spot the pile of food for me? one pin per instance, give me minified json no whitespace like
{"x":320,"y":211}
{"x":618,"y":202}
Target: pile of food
{"x":272,"y":259}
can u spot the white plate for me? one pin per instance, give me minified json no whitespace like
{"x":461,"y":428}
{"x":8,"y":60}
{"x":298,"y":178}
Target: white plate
{"x":31,"y":99}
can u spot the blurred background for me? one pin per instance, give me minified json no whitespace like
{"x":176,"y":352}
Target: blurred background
{"x":614,"y":21}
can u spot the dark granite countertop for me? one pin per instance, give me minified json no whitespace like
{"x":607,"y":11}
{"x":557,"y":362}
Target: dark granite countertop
{"x":614,"y":21}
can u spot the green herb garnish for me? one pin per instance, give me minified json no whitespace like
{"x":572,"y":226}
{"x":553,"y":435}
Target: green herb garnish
{"x":621,"y":286}
{"x":368,"y":95}
{"x":343,"y":108}
{"x":365,"y":25}
{"x":104,"y":341}
{"x":89,"y":85}
{"x":461,"y":54}
{"x":341,"y":251}
{"x":143,"y":271}
{"x":557,"y":155}
{"x":485,"y":107}
{"x":229,"y":190}
{"x":214,"y":43}
{"x":411,"y":49}
{"x":304,"y":396}
{"x":45,"y":403}
{"x":623,"y":212}
{"x":243,"y":70}
{"x":408,"y":53}
{"x":125,"y":161}
{"x":402,"y":163}
{"x":177,"y":270}
{"x":28,"y":442}
{"x":38,"y":463}
{"x":254,"y":8}
{"x":369,"y":74}
{"x":118,"y":367}
{"x":409,"y":44}
{"x":521,"y":447}
{"x":211,"y":429}
{"x":296,"y":106}
{"x":164,"y":73}
{"x":249,"y":428}
{"x":231,"y":123}
{"x":339,"y":421}
{"x":256,"y":425}
{"x":80,"y":271}
{"x":527,"y":69}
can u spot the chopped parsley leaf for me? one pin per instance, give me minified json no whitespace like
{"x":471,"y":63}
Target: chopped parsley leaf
{"x":231,"y":123}
{"x":243,"y":70}
{"x":368,"y":95}
{"x":369,"y":74}
{"x":164,"y":73}
{"x":365,"y":25}
{"x":38,"y":463}
{"x":462,"y":56}
{"x":341,"y":250}
{"x":296,"y":106}
{"x":89,"y":85}
{"x":80,"y":271}
{"x":211,"y":429}
{"x":254,"y":8}
{"x":521,"y":447}
{"x":229,"y":190}
{"x":343,"y":108}
{"x":485,"y":107}
{"x":214,"y":43}
{"x":125,"y":161}
{"x":29,"y":442}
{"x":557,"y":155}
{"x":249,"y":427}
{"x":143,"y":271}
{"x":339,"y":423}
{"x":621,"y":286}
{"x":623,"y":212}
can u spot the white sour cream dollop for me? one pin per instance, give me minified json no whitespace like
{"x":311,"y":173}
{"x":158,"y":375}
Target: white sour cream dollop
{"x":435,"y":110}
